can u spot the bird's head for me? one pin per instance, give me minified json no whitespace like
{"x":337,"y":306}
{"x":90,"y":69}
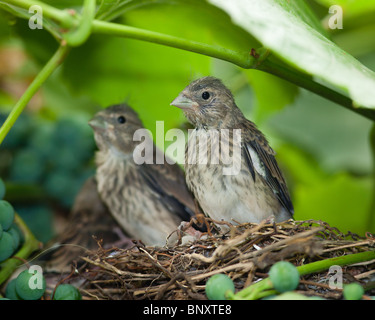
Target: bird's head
{"x":207,"y":103}
{"x":114,"y":128}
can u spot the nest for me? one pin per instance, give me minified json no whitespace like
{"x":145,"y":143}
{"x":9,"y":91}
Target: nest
{"x":245,"y":253}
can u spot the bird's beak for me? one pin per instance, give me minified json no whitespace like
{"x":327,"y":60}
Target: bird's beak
{"x":184,"y":102}
{"x":98,"y":123}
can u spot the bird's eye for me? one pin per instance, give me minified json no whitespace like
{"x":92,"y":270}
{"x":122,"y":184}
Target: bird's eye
{"x":121,"y":119}
{"x":205,"y":95}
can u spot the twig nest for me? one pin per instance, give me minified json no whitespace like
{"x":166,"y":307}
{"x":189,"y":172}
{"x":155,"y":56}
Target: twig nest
{"x":245,"y":254}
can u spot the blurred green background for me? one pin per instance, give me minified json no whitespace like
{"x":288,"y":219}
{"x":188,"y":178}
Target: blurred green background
{"x":324,"y":150}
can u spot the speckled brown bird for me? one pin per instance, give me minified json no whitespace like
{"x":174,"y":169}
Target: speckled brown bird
{"x":256,"y":190}
{"x":148,"y":200}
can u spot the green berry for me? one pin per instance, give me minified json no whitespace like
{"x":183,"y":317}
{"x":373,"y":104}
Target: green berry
{"x":6,"y":246}
{"x":30,"y":286}
{"x":218,"y":285}
{"x":6,"y":214}
{"x":38,"y":218}
{"x":15,"y":233}
{"x":353,"y":291}
{"x":284,"y":276}
{"x":10,"y":291}
{"x":27,"y":166}
{"x":2,"y":189}
{"x":19,"y":134}
{"x":290,"y":296}
{"x":67,"y":292}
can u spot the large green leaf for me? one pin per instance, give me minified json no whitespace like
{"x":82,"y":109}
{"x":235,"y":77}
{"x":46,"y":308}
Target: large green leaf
{"x":148,"y":77}
{"x":351,"y":7}
{"x":111,"y":9}
{"x":294,"y":37}
{"x":341,"y":199}
{"x":283,"y":94}
{"x":48,"y":24}
{"x":335,"y":137}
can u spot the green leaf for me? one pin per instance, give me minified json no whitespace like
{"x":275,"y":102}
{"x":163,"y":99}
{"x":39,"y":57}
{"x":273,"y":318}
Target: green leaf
{"x":48,"y":24}
{"x":341,"y":200}
{"x":16,"y":11}
{"x":350,"y":7}
{"x":281,"y":27}
{"x":300,"y":9}
{"x":358,"y":41}
{"x":111,"y":9}
{"x":335,"y":137}
{"x":104,"y":7}
{"x":283,"y":94}
{"x":145,"y":75}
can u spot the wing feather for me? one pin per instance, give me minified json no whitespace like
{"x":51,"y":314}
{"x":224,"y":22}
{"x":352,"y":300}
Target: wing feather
{"x":168,"y":182}
{"x":260,"y":157}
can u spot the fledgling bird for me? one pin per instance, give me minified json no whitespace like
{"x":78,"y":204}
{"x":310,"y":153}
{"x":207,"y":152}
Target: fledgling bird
{"x":257,"y":189}
{"x":148,"y":200}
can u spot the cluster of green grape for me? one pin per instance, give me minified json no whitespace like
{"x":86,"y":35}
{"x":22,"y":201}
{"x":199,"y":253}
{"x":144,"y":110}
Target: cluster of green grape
{"x":10,"y":235}
{"x":11,"y":238}
{"x":45,"y":162}
{"x":284,"y":277}
{"x":25,"y":287}
{"x":55,"y":155}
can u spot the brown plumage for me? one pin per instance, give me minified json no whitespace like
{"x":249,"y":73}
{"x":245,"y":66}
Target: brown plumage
{"x":255,"y":189}
{"x":148,"y":200}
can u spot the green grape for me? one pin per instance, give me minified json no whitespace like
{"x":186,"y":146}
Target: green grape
{"x":67,"y":292}
{"x":15,"y":233}
{"x":353,"y":291}
{"x":63,"y":186}
{"x":66,"y":158}
{"x":2,"y":189}
{"x":19,"y":133}
{"x":27,"y":285}
{"x":6,"y":246}
{"x":218,"y":285}
{"x":67,"y":131}
{"x":39,"y":219}
{"x":291,"y":296}
{"x":284,"y":276}
{"x":76,"y":182}
{"x":76,"y":136}
{"x":10,"y":291}
{"x":58,"y":184}
{"x":41,"y":142}
{"x":27,"y":166}
{"x":316,"y":298}
{"x":6,"y":214}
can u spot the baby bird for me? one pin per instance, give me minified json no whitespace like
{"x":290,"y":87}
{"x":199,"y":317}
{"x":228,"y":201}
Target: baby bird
{"x":242,"y":184}
{"x":148,"y":197}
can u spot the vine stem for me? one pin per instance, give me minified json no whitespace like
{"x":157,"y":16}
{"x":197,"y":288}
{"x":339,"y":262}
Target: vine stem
{"x":242,"y":59}
{"x":41,"y":77}
{"x":245,"y":60}
{"x":305,"y":81}
{"x":77,"y":37}
{"x":264,"y":287}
